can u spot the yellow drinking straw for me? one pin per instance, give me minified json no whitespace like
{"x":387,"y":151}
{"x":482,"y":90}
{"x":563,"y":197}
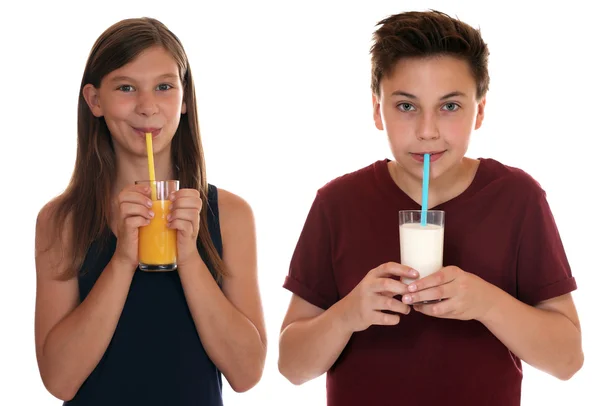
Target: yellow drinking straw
{"x":151,"y":165}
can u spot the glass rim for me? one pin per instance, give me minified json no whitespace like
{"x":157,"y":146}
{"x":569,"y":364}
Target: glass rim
{"x":420,"y":211}
{"x":156,"y":181}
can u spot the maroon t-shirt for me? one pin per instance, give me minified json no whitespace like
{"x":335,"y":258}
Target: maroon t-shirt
{"x":500,"y":228}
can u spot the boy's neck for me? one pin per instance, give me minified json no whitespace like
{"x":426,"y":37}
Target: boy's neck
{"x":451,"y":184}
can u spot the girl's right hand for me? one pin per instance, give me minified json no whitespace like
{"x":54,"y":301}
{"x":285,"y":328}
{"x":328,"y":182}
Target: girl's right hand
{"x":134,"y":211}
{"x":364,"y":306}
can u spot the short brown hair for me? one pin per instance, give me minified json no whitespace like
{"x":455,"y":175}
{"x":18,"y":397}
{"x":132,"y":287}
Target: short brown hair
{"x":425,"y":34}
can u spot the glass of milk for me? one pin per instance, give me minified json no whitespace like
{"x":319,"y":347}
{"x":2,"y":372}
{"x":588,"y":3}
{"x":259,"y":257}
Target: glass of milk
{"x":421,"y":246}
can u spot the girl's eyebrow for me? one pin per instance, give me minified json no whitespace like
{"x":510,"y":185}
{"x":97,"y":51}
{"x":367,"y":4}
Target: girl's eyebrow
{"x":130,"y":79}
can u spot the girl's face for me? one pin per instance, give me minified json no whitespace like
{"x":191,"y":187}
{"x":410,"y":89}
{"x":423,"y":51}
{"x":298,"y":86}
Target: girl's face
{"x":145,"y":95}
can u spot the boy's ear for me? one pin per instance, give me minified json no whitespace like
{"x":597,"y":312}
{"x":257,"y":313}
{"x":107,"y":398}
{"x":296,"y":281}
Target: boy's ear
{"x":377,"y":113}
{"x":480,"y":113}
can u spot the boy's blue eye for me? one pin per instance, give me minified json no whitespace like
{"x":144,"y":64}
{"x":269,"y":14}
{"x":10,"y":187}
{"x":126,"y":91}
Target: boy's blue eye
{"x":405,"y":107}
{"x":125,"y":88}
{"x":164,"y":86}
{"x":451,"y":106}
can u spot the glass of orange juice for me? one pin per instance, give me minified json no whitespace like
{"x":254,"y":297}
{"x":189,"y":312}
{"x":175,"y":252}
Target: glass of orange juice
{"x":157,"y":247}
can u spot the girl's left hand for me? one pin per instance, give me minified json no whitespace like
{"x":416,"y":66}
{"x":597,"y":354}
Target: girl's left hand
{"x":465,"y":296}
{"x":184,"y":216}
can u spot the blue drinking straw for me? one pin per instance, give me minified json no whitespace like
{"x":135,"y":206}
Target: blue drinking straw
{"x":425,"y":190}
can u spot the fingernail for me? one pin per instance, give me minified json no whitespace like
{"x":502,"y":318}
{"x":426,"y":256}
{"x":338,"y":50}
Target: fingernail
{"x":169,"y":217}
{"x":412,"y":287}
{"x":149,"y":203}
{"x":172,"y":196}
{"x":151,"y":213}
{"x":414,"y":273}
{"x":407,"y":299}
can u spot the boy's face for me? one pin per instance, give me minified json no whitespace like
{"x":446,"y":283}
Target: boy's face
{"x":428,"y":105}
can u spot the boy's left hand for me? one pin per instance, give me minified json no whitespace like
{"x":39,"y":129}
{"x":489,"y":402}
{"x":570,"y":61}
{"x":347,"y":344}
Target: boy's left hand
{"x":184,"y":216}
{"x":465,"y":295}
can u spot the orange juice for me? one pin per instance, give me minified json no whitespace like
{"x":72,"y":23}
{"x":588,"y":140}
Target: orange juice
{"x":157,"y":243}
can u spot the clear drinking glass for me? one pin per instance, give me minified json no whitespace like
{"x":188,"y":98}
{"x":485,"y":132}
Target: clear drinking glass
{"x":421,"y":246}
{"x":157,"y":243}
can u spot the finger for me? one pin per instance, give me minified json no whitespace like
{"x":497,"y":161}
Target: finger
{"x":143,"y":188}
{"x":134,"y":196}
{"x":443,"y":276}
{"x":395,"y":269}
{"x":190,"y":215}
{"x":135,"y":222}
{"x":389,"y":285}
{"x":185,"y":227}
{"x":134,"y":209}
{"x":385,"y":319}
{"x":181,"y":193}
{"x":391,"y":304}
{"x":433,"y":294}
{"x":444,"y":309}
{"x":187,"y":203}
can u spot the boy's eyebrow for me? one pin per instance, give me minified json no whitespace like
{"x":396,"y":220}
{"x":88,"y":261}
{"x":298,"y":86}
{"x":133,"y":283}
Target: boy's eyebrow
{"x":412,"y":96}
{"x":129,"y":79}
{"x":452,"y":94}
{"x":401,"y":93}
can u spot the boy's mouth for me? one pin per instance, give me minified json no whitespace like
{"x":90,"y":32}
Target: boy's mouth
{"x":420,"y":156}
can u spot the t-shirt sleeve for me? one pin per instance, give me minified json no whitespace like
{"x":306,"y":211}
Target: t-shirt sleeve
{"x":311,"y":272}
{"x":543,"y":271}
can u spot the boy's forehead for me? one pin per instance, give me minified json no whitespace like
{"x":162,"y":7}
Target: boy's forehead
{"x":429,"y":74}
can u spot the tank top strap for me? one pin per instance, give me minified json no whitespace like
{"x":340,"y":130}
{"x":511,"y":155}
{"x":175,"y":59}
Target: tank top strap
{"x":214,"y":225}
{"x":214,"y":229}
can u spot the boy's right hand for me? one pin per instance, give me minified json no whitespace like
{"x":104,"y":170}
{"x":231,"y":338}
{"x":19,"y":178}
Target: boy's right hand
{"x":363,"y":306}
{"x":134,"y":211}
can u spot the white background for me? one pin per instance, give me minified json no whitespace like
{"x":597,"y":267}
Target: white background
{"x":285,"y":106}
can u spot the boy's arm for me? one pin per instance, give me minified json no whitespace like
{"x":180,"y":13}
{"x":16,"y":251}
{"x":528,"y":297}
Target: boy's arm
{"x":547,"y":336}
{"x":311,"y":340}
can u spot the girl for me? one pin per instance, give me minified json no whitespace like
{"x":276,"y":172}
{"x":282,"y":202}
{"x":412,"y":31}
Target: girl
{"x":106,"y":332}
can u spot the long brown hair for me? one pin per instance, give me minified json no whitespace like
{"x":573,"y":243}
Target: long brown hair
{"x":87,"y":199}
{"x":426,"y":34}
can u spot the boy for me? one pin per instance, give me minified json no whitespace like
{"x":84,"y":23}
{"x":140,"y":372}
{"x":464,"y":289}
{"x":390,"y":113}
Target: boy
{"x":505,"y":283}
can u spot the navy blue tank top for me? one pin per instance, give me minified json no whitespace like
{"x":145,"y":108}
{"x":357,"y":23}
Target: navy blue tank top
{"x":155,"y":356}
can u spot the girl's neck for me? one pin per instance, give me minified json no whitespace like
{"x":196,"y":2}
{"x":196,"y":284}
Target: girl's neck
{"x":133,"y":168}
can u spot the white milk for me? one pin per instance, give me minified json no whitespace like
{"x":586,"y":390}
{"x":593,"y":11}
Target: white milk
{"x":421,"y":248}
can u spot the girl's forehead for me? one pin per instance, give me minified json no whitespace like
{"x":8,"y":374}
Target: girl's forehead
{"x":153,"y":63}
